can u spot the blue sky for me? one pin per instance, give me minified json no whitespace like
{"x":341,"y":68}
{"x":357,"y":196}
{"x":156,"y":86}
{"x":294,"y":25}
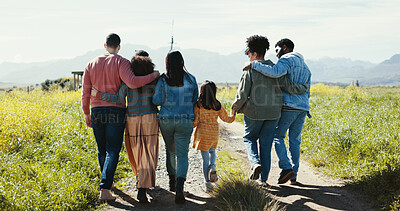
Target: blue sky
{"x":43,"y":30}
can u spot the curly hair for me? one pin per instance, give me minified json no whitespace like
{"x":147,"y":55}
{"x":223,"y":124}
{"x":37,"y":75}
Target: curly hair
{"x":285,"y":41}
{"x":258,"y":44}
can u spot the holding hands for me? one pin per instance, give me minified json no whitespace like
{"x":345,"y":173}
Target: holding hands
{"x":233,"y":113}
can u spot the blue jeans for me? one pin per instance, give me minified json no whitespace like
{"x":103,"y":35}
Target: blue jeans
{"x":209,"y":158}
{"x":292,"y":121}
{"x":263,"y":131}
{"x":108,"y":125}
{"x":176,"y":134}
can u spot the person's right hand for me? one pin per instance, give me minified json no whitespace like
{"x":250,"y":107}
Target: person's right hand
{"x":156,"y":74}
{"x":88,"y":120}
{"x":233,"y":112}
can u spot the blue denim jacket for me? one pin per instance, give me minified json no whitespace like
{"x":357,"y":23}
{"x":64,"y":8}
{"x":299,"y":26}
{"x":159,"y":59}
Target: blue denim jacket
{"x":176,"y":102}
{"x":292,"y":64}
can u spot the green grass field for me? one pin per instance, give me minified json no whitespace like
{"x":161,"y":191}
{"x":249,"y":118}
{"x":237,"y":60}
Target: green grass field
{"x":353,"y":134}
{"x":49,"y":155}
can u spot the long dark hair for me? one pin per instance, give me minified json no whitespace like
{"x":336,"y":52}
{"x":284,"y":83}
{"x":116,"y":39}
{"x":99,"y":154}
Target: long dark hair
{"x":175,"y":69}
{"x":207,"y":97}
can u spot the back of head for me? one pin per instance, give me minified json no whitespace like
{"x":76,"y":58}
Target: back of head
{"x":175,"y":68}
{"x":142,"y":65}
{"x":113,"y":40}
{"x":285,"y":41}
{"x":207,"y":97}
{"x":258,"y":44}
{"x":142,"y":53}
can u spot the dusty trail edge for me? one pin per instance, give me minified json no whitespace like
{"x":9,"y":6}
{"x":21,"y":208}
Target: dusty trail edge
{"x":313,"y":192}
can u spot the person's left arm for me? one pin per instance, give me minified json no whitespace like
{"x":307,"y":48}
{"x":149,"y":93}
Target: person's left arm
{"x":196,"y":111}
{"x":223,"y":115}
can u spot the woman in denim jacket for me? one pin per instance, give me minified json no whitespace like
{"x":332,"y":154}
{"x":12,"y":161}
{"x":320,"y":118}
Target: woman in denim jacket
{"x":176,"y":92}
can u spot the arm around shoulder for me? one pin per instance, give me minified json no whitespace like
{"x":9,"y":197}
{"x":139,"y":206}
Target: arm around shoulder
{"x":131,"y":80}
{"x":275,"y":71}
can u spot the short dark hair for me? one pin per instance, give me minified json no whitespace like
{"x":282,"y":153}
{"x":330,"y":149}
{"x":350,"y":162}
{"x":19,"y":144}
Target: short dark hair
{"x":258,"y":44}
{"x":113,"y":40}
{"x":285,"y":41}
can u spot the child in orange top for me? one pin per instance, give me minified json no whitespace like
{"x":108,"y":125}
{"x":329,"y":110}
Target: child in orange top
{"x":207,"y":110}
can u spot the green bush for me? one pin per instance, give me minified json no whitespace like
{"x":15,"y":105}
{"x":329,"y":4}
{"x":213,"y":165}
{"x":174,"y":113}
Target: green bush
{"x":235,"y":191}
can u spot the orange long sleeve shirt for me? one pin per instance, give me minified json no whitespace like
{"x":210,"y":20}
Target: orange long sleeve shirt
{"x":207,"y":130}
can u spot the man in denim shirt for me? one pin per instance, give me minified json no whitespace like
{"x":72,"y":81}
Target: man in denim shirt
{"x":295,"y":106}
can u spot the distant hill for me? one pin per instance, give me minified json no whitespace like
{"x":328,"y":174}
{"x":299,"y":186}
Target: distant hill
{"x":385,"y":73}
{"x":212,"y":66}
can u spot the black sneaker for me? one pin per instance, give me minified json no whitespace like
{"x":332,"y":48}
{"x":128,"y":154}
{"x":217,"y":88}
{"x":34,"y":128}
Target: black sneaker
{"x":286,"y":174}
{"x":255,"y":174}
{"x":293,"y":182}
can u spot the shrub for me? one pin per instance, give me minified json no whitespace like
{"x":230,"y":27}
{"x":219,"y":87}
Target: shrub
{"x":235,"y":192}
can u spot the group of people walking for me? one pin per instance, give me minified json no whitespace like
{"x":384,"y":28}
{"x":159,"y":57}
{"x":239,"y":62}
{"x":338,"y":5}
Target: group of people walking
{"x":120,"y":95}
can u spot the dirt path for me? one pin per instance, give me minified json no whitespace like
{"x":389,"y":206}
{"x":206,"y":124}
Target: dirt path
{"x":314,"y":192}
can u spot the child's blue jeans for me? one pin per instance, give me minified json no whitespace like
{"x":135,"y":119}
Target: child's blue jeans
{"x":209,"y":158}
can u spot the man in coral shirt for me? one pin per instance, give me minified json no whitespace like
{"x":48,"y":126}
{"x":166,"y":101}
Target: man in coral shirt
{"x":105,"y":73}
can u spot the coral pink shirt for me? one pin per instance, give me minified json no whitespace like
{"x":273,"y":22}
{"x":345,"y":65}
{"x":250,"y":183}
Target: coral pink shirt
{"x":105,"y":73}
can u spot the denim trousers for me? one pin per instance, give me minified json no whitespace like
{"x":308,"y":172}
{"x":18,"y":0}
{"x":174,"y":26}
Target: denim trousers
{"x":209,"y":158}
{"x":261,"y":132}
{"x":292,"y":121}
{"x":108,"y":125}
{"x":176,"y":134}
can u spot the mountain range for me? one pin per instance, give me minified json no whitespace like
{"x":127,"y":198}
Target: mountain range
{"x":212,"y":66}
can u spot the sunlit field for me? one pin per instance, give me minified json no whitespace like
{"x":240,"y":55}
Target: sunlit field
{"x":49,"y":157}
{"x":353,"y":134}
